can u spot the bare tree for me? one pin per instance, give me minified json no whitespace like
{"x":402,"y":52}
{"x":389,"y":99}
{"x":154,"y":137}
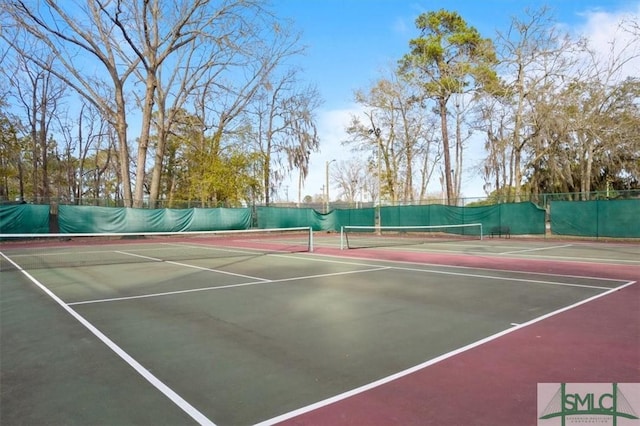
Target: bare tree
{"x":397,"y":136}
{"x":165,"y":28}
{"x":351,"y":177}
{"x":138,"y":38}
{"x":366,"y":136}
{"x":285,"y":132}
{"x":535,"y":59}
{"x":174,"y":89}
{"x":497,"y":168}
{"x":87,"y":151}
{"x":39,"y":94}
{"x":73,"y":38}
{"x":602,"y":95}
{"x":567,"y":106}
{"x":429,"y":152}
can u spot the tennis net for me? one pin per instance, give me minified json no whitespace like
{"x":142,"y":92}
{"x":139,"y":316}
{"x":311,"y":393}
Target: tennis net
{"x":352,"y":237}
{"x":37,"y":251}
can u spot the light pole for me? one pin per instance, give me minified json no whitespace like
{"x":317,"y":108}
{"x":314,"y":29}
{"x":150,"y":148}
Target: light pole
{"x":326,"y":174}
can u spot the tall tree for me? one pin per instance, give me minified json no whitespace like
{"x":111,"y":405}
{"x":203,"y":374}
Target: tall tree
{"x":450,"y":57}
{"x":497,"y":167}
{"x":396,"y":134}
{"x":284,"y":128}
{"x":38,"y":94}
{"x":350,"y":176}
{"x":535,"y":61}
{"x":73,"y":37}
{"x":605,"y":95}
{"x":86,"y":150}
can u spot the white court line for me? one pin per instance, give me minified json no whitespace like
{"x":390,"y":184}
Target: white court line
{"x":373,"y":268}
{"x":523,"y":280}
{"x":186,"y":265}
{"x":491,"y":277}
{"x":157,"y":383}
{"x":318,"y":258}
{"x":411,"y":370}
{"x":246,"y":252}
{"x":535,"y":249}
{"x":140,"y":247}
{"x":587,"y":260}
{"x":221,"y":287}
{"x":582,"y":259}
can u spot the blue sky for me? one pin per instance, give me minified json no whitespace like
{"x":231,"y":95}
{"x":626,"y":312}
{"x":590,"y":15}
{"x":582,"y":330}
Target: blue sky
{"x":349,"y":42}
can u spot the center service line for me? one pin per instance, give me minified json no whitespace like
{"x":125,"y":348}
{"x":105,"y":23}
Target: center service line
{"x":223,"y":287}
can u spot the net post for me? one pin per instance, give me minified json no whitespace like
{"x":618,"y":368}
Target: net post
{"x":310,"y":239}
{"x":481,"y":233}
{"x":342,"y":238}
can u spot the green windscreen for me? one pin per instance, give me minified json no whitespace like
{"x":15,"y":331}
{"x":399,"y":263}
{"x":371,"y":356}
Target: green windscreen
{"x":355,"y":217}
{"x":24,"y":219}
{"x":520,"y":218}
{"x":599,"y":218}
{"x":287,"y":217}
{"x":90,"y":219}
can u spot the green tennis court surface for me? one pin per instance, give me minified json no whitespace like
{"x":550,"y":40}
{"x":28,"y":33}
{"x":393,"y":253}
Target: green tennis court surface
{"x":187,"y":332}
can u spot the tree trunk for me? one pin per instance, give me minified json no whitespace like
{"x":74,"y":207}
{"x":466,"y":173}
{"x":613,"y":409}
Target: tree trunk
{"x":21,"y":179}
{"x":442,"y":103}
{"x":143,"y":145}
{"x":517,"y":175}
{"x":267,"y":180}
{"x":586,"y":166}
{"x":517,"y":147}
{"x":42,"y":136}
{"x":123,"y":148}
{"x":459,"y":149}
{"x":156,"y":176}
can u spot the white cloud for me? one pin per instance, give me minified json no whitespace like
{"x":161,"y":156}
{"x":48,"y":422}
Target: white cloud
{"x":608,"y":33}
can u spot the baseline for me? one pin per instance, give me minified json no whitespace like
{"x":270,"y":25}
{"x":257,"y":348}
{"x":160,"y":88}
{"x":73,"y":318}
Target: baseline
{"x":414,"y":369}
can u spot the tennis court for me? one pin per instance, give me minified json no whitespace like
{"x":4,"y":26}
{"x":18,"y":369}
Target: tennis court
{"x":258,"y":329}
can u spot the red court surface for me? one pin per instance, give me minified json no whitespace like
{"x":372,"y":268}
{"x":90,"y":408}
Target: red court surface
{"x":495,"y":383}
